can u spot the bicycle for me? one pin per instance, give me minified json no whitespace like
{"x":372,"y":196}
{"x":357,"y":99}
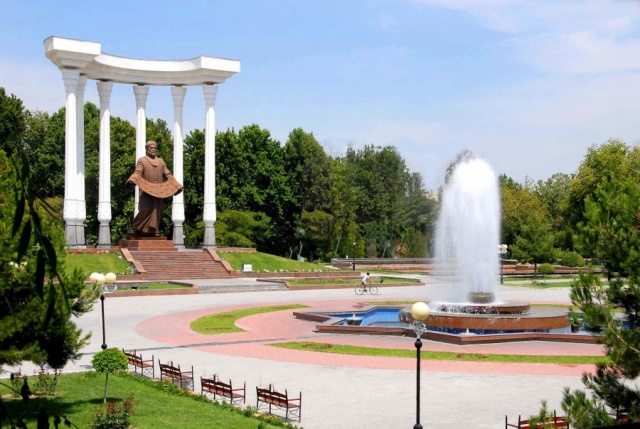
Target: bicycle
{"x":361,"y":290}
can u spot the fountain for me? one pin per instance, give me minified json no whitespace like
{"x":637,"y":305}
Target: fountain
{"x":467,"y":307}
{"x":467,"y":236}
{"x":466,"y":259}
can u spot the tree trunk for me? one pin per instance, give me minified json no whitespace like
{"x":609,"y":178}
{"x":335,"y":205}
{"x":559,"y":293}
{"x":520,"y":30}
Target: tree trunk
{"x":106,"y":380}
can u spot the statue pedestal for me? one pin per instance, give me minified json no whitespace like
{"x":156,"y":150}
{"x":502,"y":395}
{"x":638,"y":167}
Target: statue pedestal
{"x":148,"y":244}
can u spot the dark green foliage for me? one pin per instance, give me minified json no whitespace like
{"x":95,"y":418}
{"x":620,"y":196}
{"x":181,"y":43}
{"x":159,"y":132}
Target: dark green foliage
{"x":109,"y":361}
{"x":546,"y":269}
{"x":241,"y":229}
{"x":571,"y":259}
{"x":12,"y":121}
{"x":611,"y":230}
{"x":535,"y":242}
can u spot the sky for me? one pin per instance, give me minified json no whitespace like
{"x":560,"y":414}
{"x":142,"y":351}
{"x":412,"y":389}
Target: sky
{"x":527,"y":85}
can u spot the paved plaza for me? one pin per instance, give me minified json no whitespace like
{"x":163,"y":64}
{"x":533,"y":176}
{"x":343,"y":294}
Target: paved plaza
{"x":341,"y":391}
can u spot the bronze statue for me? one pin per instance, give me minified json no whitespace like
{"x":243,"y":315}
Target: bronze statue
{"x":149,"y":177}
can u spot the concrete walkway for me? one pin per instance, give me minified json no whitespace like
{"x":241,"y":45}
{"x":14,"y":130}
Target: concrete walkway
{"x":341,"y":391}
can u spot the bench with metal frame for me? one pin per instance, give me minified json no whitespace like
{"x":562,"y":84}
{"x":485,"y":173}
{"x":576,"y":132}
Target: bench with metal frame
{"x":172,"y":372}
{"x":140,"y":366}
{"x":219,"y":388}
{"x":269,"y":398}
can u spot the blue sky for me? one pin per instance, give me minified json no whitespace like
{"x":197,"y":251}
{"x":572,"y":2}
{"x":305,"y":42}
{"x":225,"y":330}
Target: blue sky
{"x":527,"y":85}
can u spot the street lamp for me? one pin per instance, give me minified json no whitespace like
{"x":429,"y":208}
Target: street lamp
{"x":354,"y":256}
{"x":419,"y":312}
{"x":100,"y":279}
{"x":502,"y":248}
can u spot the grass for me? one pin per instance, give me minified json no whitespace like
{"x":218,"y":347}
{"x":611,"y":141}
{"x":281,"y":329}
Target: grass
{"x":157,"y":404}
{"x":263,"y":262}
{"x":224,"y":323}
{"x":433,"y":355}
{"x":349,"y":281}
{"x":87,"y":263}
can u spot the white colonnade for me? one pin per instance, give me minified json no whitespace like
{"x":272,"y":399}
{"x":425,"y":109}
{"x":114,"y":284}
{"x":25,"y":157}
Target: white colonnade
{"x":81,"y":60}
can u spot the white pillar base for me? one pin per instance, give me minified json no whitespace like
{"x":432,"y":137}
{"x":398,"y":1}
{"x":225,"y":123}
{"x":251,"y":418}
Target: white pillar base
{"x":209,"y":235}
{"x":74,"y":234}
{"x":178,"y":236}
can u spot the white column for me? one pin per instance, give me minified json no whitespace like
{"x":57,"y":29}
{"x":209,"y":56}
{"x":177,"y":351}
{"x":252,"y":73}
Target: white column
{"x":104,"y":172}
{"x":82,"y":203}
{"x":209,"y":215}
{"x":177,"y":211}
{"x":141,"y":92}
{"x":71,"y":209}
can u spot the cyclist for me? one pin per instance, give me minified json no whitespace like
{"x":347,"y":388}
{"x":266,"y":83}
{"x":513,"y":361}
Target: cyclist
{"x":365,"y":279}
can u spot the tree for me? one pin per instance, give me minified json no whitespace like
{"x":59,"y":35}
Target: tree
{"x":554,"y":194}
{"x":13,"y":119}
{"x":109,"y":361}
{"x":33,"y":287}
{"x":610,"y":161}
{"x":535,"y":242}
{"x":518,"y":202}
{"x":610,"y":229}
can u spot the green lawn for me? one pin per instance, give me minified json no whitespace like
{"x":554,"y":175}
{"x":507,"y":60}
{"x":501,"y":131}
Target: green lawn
{"x":156,"y":404}
{"x":350,"y":281}
{"x":430,"y":355}
{"x":107,"y":262}
{"x":224,"y":323}
{"x":263,"y":262}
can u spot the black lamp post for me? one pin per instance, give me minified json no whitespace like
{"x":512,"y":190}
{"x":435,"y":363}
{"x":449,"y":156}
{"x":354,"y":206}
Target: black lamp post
{"x":354,"y":256}
{"x":503,"y":249}
{"x":419,"y":312}
{"x":100,"y":279}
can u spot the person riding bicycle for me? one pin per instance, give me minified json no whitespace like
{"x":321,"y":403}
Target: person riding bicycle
{"x":365,"y":279}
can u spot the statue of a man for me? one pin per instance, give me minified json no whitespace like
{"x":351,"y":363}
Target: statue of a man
{"x":149,"y":177}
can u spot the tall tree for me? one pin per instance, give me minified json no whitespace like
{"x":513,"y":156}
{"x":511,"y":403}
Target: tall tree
{"x":535,"y":242}
{"x":611,"y":230}
{"x":518,"y":202}
{"x":611,"y":160}
{"x":554,"y":194}
{"x":33,"y":287}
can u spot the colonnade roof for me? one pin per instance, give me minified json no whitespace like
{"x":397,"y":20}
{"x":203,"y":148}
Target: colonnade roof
{"x":88,"y":59}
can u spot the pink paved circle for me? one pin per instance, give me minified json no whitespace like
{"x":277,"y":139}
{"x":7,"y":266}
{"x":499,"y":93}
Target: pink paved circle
{"x":280,"y":326}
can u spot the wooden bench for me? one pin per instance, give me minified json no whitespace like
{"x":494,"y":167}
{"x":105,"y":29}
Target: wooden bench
{"x":552,"y":422}
{"x":184,"y":378}
{"x":140,"y":366}
{"x":269,"y":397}
{"x":226,"y":390}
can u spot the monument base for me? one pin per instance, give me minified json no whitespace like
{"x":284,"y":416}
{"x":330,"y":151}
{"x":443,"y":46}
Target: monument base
{"x":135,"y":242}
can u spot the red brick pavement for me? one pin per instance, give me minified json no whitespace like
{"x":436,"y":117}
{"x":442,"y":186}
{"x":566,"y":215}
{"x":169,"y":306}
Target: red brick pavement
{"x":275,"y":327}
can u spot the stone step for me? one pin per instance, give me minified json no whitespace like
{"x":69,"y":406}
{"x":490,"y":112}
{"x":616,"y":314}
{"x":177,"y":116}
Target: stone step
{"x":173,"y":265}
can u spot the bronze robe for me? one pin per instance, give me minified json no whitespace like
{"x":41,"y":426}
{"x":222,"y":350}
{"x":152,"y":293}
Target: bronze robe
{"x":149,"y":176}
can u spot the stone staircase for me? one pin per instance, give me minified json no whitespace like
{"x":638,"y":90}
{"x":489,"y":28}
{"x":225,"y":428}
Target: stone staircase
{"x":175,"y":265}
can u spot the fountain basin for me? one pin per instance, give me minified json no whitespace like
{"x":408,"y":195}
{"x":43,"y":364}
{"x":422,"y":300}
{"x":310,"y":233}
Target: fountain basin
{"x":538,"y":324}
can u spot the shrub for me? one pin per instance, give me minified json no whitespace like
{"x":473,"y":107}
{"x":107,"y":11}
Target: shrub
{"x":46,"y":383}
{"x":115,"y":415}
{"x":109,"y":361}
{"x":546,"y":268}
{"x":571,"y":259}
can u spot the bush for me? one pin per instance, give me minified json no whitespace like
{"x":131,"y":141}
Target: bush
{"x":571,"y":259}
{"x":46,"y":383}
{"x":546,"y":268}
{"x":115,"y":415}
{"x":110,"y":361}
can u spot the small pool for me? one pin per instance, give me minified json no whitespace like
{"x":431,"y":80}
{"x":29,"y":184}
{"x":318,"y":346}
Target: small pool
{"x":389,"y":317}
